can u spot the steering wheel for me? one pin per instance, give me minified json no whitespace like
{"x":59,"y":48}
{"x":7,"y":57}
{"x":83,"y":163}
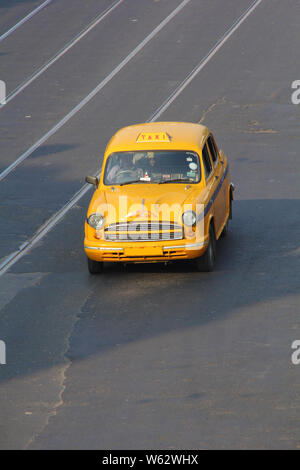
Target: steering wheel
{"x":125,"y":173}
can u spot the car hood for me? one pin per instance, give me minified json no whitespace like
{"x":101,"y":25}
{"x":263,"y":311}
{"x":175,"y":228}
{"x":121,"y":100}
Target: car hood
{"x":141,"y":202}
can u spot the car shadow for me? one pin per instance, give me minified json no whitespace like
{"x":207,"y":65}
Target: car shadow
{"x":257,"y":262}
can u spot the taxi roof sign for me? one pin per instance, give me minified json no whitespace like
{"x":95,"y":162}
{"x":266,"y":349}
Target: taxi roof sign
{"x":153,"y":137}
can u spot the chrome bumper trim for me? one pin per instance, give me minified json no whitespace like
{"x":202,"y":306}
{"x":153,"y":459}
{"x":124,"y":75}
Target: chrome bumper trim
{"x":189,"y":246}
{"x":103,"y":248}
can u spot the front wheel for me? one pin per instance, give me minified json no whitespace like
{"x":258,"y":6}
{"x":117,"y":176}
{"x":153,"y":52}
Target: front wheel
{"x":206,"y":262}
{"x":94,"y":267}
{"x":226,"y":228}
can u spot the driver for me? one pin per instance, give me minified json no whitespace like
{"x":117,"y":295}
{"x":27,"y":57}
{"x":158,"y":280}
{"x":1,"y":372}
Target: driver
{"x":151,"y":167}
{"x":125,"y":163}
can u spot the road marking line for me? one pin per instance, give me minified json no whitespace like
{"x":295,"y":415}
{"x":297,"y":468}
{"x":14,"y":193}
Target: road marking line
{"x":42,"y":231}
{"x":26,"y":247}
{"x":26,"y":18}
{"x":96,"y":90}
{"x":62,"y":51}
{"x":203,"y":62}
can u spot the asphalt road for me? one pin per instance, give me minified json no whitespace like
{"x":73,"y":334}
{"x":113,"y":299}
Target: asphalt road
{"x":150,"y":356}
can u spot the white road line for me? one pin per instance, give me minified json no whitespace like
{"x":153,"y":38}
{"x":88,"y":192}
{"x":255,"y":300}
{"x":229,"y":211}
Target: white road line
{"x":26,"y":247}
{"x":23,"y":20}
{"x":203,"y":62}
{"x":96,"y":90}
{"x":60,"y":53}
{"x":23,"y":249}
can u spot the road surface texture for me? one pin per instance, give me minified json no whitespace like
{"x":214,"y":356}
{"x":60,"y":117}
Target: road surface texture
{"x":149,"y":356}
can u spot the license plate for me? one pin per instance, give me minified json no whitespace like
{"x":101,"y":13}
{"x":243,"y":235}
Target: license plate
{"x":144,"y":251}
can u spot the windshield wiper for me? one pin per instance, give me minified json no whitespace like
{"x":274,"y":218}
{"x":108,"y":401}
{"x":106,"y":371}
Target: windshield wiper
{"x":176,"y":180}
{"x":132,"y":182}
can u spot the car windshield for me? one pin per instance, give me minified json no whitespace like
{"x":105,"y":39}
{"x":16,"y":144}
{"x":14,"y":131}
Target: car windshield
{"x":152,"y":167}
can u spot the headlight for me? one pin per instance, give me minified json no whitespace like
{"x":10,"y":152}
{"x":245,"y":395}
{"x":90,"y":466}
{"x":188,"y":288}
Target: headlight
{"x":96,"y":221}
{"x":189,"y":218}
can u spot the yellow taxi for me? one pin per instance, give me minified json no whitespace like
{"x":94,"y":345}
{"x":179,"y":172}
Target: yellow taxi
{"x":164,"y":194}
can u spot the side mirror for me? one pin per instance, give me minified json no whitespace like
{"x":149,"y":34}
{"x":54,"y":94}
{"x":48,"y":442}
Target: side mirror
{"x":92,"y":180}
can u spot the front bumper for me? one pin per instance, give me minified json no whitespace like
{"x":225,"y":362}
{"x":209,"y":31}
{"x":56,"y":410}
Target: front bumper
{"x":146,"y":252}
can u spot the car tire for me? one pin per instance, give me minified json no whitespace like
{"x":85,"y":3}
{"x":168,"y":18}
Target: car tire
{"x":226,"y":228}
{"x":230,"y":206}
{"x":206,"y":262}
{"x":94,"y":267}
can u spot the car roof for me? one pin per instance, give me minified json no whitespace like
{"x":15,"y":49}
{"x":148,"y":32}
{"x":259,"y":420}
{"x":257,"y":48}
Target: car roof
{"x":180,"y":136}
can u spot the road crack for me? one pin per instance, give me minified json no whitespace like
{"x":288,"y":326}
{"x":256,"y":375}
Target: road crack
{"x":62,"y":375}
{"x":211,"y":107}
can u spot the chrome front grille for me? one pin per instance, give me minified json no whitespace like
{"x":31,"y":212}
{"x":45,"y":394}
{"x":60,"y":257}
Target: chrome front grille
{"x":143,"y":231}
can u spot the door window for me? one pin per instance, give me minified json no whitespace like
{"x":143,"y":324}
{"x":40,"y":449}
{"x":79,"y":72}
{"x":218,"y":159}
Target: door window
{"x":212,"y":149}
{"x":206,"y":161}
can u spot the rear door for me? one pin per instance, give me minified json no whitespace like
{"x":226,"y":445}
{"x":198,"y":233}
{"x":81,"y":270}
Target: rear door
{"x":212,"y":178}
{"x":221,"y":201}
